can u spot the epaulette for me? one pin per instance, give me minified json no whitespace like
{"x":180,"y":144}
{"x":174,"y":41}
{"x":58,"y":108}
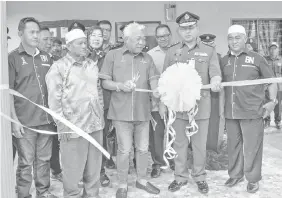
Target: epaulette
{"x":116,"y":46}
{"x":173,"y":44}
{"x":145,"y":49}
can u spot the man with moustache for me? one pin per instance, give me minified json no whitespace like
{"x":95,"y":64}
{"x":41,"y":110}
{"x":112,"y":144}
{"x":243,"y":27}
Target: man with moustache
{"x":27,"y":69}
{"x":207,"y":65}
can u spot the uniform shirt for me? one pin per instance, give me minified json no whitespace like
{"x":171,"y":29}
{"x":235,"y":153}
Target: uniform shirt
{"x":75,"y":94}
{"x":98,"y":57}
{"x":244,"y":102}
{"x":158,"y":56}
{"x":276,"y":65}
{"x":206,"y":64}
{"x":27,"y":76}
{"x":121,"y":65}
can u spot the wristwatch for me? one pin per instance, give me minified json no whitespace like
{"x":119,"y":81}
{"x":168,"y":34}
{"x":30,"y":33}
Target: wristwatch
{"x":275,"y":101}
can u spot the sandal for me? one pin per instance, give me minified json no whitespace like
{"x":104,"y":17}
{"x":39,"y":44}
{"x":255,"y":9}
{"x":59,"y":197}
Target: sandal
{"x":104,"y":180}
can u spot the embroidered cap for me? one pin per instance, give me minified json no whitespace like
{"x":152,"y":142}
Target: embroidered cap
{"x":73,"y":35}
{"x":187,"y":19}
{"x":236,"y":29}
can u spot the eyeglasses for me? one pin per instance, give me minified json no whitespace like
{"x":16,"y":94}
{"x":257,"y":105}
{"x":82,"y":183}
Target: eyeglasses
{"x":163,"y":36}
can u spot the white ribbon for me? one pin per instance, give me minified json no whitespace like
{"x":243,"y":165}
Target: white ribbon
{"x":56,"y":116}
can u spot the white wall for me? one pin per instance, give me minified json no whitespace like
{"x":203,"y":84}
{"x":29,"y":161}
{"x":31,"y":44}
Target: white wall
{"x":214,"y":16}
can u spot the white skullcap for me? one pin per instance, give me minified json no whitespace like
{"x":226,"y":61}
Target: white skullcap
{"x":236,"y":29}
{"x":73,"y":35}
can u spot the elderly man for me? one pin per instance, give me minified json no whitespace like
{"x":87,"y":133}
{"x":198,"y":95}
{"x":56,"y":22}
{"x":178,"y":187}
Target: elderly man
{"x":27,"y":69}
{"x":207,"y":65}
{"x":75,"y":94}
{"x":275,"y":61}
{"x":45,"y":42}
{"x":123,"y":70}
{"x":244,"y":109}
{"x":163,"y":37}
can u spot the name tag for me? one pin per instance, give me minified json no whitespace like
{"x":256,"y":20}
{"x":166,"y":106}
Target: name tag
{"x":46,"y":65}
{"x":201,"y":54}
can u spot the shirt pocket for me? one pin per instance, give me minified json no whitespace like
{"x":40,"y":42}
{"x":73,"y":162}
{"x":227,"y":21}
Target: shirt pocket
{"x":201,"y":64}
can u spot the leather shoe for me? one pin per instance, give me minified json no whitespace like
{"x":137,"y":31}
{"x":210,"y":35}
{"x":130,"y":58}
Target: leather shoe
{"x":175,"y":186}
{"x":156,"y":172}
{"x":233,"y":181}
{"x":150,"y":188}
{"x":203,"y":187}
{"x":252,"y":187}
{"x":121,"y":193}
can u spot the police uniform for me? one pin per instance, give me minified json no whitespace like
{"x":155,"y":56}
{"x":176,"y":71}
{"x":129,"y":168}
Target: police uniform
{"x":207,"y":65}
{"x":216,"y":125}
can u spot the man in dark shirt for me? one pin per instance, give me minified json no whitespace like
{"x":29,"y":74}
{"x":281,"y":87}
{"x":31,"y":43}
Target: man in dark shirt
{"x":27,"y":69}
{"x":245,"y":109}
{"x":44,"y":44}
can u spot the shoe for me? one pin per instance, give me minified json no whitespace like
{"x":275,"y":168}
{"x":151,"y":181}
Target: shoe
{"x":46,"y":195}
{"x":175,"y":186}
{"x":203,"y":187}
{"x":233,"y":181}
{"x":156,"y":172}
{"x":58,"y":177}
{"x":121,"y":193}
{"x":149,"y":188}
{"x":252,"y":187}
{"x":104,"y":180}
{"x":110,"y":164}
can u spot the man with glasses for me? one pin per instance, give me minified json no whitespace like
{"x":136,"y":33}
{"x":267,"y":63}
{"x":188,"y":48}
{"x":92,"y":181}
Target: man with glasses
{"x":207,"y":65}
{"x":163,"y":37}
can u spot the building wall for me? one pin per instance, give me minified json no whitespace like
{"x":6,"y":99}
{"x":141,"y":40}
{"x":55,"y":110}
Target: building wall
{"x":214,"y":16}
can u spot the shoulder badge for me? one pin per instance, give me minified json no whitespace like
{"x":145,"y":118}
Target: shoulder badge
{"x":173,"y":44}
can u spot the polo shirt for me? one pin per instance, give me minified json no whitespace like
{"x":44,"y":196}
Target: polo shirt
{"x":27,"y":76}
{"x":120,"y":65}
{"x":244,"y":102}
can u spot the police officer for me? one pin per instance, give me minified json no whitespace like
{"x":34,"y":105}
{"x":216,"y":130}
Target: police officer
{"x":209,"y":39}
{"x":207,"y":65}
{"x":76,"y":25}
{"x":244,"y":109}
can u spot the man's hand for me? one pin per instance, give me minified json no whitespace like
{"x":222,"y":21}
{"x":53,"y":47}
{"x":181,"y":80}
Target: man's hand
{"x":126,"y":87}
{"x":162,"y":110}
{"x":268,"y":108}
{"x":17,"y":130}
{"x":156,"y":93}
{"x":216,"y":86}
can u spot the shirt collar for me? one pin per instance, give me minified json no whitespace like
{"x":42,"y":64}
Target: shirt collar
{"x":183,"y":44}
{"x":73,"y":61}
{"x":22,"y":49}
{"x":126,"y":50}
{"x":245,"y":51}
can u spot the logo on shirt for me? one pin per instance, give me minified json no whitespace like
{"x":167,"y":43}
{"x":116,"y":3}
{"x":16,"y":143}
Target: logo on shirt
{"x":143,"y":61}
{"x":24,"y":62}
{"x":44,"y":58}
{"x":250,"y":60}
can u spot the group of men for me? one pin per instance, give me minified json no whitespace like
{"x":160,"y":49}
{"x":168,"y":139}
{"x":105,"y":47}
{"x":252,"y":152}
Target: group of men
{"x":96,"y":93}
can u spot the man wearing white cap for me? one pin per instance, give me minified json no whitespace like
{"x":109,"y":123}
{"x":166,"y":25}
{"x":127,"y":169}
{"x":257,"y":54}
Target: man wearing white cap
{"x":75,"y":94}
{"x":275,"y":61}
{"x":244,"y":109}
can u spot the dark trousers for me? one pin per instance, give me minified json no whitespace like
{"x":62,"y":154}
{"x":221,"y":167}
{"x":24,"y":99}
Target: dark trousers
{"x":156,"y":143}
{"x":277,"y":111}
{"x":34,"y":150}
{"x":245,"y":146}
{"x":55,"y":158}
{"x":105,"y":132}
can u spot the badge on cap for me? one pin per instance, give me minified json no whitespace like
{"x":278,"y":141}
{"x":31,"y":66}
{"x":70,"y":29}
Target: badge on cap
{"x":75,"y":25}
{"x":208,"y":38}
{"x":186,"y":17}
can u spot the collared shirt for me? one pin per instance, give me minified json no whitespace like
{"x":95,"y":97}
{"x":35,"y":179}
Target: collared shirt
{"x":121,"y":65}
{"x":75,"y":93}
{"x":206,"y":64}
{"x":276,"y":65}
{"x":158,"y":56}
{"x":27,"y":76}
{"x":244,"y":102}
{"x":98,"y":57}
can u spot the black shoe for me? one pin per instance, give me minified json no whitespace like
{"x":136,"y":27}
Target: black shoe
{"x":121,"y":193}
{"x":203,"y":187}
{"x":104,"y":180}
{"x":175,"y":186}
{"x":110,"y":164}
{"x":252,"y":187}
{"x":233,"y":181}
{"x":149,"y":188}
{"x":156,"y":172}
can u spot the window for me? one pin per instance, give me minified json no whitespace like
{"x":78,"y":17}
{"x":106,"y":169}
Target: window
{"x":262,"y":32}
